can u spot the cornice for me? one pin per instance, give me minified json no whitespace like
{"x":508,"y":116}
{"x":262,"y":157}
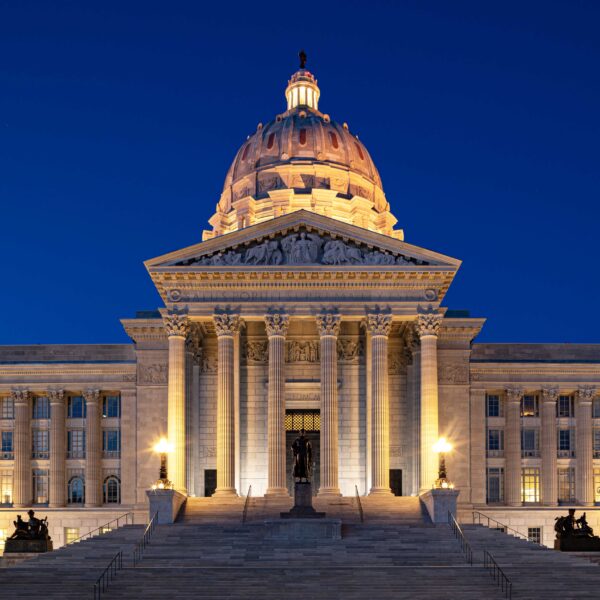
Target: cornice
{"x":145,"y":329}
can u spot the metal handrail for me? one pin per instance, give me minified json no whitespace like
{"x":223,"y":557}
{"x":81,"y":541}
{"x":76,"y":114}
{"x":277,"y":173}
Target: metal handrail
{"x":498,"y":574}
{"x":460,"y":536}
{"x":359,"y":505}
{"x":138,"y":551}
{"x":116,"y":564}
{"x":246,"y":502}
{"x":102,"y":528}
{"x":501,"y":526}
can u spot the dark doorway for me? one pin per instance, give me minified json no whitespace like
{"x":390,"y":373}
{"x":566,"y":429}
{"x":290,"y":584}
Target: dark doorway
{"x":210,"y":481}
{"x":310,"y":421}
{"x":396,"y":481}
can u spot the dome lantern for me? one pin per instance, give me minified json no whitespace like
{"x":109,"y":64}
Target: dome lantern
{"x":302,"y":89}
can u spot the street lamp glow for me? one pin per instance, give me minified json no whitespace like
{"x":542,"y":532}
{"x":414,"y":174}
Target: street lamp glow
{"x":163,"y":446}
{"x":442,"y":446}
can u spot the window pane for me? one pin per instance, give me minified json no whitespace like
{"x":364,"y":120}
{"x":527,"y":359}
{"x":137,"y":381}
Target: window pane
{"x":535,"y":534}
{"x":41,"y":408}
{"x":111,"y":406}
{"x":6,"y":486}
{"x":7,"y":408}
{"x":493,"y":406}
{"x":71,"y":534}
{"x":530,"y":484}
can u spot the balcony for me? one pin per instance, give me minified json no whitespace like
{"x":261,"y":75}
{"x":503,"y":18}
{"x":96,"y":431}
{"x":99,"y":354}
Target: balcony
{"x":530,"y":453}
{"x":76,"y":454}
{"x":495,"y":453}
{"x":5,"y":455}
{"x":111,"y":454}
{"x":40,"y":454}
{"x":566,"y":454}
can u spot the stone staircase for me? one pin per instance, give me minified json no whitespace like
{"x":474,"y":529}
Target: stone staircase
{"x":71,"y":571}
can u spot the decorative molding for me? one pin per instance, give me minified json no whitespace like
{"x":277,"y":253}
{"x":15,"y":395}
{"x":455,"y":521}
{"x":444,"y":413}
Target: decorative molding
{"x":328,"y":324}
{"x":428,"y":323}
{"x":379,"y":324}
{"x":56,"y":396}
{"x":177,"y":324}
{"x":154,"y":374}
{"x":208,"y":363}
{"x":514,"y":394}
{"x":550,"y":394}
{"x":350,"y":349}
{"x":20,"y":395}
{"x":586,"y":393}
{"x":277,"y":324}
{"x":453,"y":374}
{"x":91,"y":395}
{"x":226,"y":324}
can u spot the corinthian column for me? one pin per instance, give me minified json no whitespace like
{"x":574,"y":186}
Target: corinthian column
{"x":549,"y":448}
{"x":22,"y":449}
{"x":227,"y":326}
{"x":277,"y":327}
{"x":57,"y":448}
{"x":428,"y":325}
{"x":584,"y":482}
{"x":379,"y":326}
{"x":177,"y":327}
{"x":512,"y":447}
{"x":93,"y":449}
{"x":329,"y":329}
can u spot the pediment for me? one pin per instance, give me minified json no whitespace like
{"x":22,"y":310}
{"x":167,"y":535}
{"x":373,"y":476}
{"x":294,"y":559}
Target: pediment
{"x":301,"y":239}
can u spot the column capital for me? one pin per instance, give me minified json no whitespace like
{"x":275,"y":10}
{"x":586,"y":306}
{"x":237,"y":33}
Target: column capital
{"x":514,"y":394}
{"x":177,"y":324}
{"x":428,"y":323}
{"x":550,"y":394}
{"x":586,"y":393}
{"x":20,"y":396}
{"x":328,"y":324}
{"x":379,"y":324}
{"x":277,"y":324}
{"x":56,"y":396}
{"x":91,"y":395}
{"x":227,"y":324}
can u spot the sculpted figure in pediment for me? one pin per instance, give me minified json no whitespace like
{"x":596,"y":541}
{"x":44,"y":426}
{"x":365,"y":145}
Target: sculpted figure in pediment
{"x":301,"y":249}
{"x":337,"y":252}
{"x":379,"y":258}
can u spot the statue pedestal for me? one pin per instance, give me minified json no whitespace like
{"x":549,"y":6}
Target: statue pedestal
{"x":577,"y":543}
{"x":27,"y":546}
{"x":304,"y":529}
{"x":303,"y":508}
{"x":167,"y":503}
{"x":440,"y":502}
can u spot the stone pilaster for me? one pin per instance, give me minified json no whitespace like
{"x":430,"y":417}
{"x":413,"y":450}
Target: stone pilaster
{"x":584,"y":481}
{"x":178,"y":327}
{"x":379,"y":326}
{"x":58,"y":488}
{"x":478,"y":446}
{"x":512,"y":447}
{"x":428,"y":325}
{"x":129,"y":472}
{"x":549,"y":447}
{"x":227,"y":326}
{"x":328,"y":326}
{"x":22,"y":494}
{"x":277,"y":327}
{"x":93,"y":449}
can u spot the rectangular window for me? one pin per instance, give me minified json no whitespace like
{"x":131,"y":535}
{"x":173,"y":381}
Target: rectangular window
{"x":41,"y":408}
{"x":40,"y":441}
{"x":40,"y":486}
{"x":530,"y":442}
{"x":111,"y":443}
{"x":6,"y":487}
{"x":3,"y":534}
{"x":596,"y":408}
{"x":564,"y":406}
{"x":111,"y":406}
{"x":529,"y":406}
{"x":76,"y":408}
{"x":494,"y":407}
{"x":71,"y":534}
{"x":76,"y":443}
{"x":495,"y":442}
{"x":597,"y":486}
{"x":566,"y":485}
{"x":495,"y":485}
{"x":566,"y":443}
{"x":7,"y":408}
{"x":7,"y":445}
{"x":534,"y":534}
{"x":530,"y":484}
{"x":596,"y":442}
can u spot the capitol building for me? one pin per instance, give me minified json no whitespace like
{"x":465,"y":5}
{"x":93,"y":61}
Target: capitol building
{"x":302,"y":307}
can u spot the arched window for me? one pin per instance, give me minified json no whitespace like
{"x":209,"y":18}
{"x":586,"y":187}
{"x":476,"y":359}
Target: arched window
{"x":360,"y":152}
{"x":270,"y":141}
{"x":245,"y":152}
{"x":76,"y":492}
{"x":333,"y":139}
{"x":302,"y":137}
{"x":111,"y":490}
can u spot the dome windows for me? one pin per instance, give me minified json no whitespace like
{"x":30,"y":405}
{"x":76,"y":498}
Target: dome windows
{"x":270,"y":141}
{"x":245,"y":152}
{"x":333,"y":139}
{"x":359,"y":150}
{"x":302,"y":137}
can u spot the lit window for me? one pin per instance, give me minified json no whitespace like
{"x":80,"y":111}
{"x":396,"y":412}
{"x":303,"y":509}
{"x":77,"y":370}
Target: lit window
{"x":530,"y":442}
{"x":7,"y":408}
{"x":76,"y":407}
{"x":40,"y":486}
{"x":6,"y":486}
{"x":566,"y":485}
{"x":564,"y":406}
{"x":495,"y":485}
{"x":359,"y":150}
{"x":270,"y":141}
{"x":529,"y":406}
{"x":309,"y":420}
{"x":111,"y":443}
{"x":76,"y":491}
{"x":111,"y":490}
{"x":333,"y":139}
{"x":71,"y":534}
{"x":76,"y":443}
{"x":40,"y":443}
{"x":111,"y":406}
{"x":493,"y":406}
{"x":302,"y":137}
{"x":534,"y":534}
{"x":530,"y":484}
{"x":495,"y":442}
{"x":596,"y":442}
{"x":7,"y":445}
{"x":41,"y":408}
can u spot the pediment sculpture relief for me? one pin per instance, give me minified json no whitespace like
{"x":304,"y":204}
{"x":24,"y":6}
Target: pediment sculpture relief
{"x":304,"y":248}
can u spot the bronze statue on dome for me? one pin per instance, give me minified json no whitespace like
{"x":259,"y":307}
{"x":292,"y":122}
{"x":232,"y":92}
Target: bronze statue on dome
{"x":302,"y":57}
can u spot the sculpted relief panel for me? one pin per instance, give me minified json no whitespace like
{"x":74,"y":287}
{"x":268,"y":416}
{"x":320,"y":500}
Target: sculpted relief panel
{"x":453,"y":374}
{"x":153,"y":374}
{"x":304,"y":248}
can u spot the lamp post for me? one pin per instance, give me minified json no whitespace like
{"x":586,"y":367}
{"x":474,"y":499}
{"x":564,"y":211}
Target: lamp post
{"x":163,"y":447}
{"x":442,"y":447}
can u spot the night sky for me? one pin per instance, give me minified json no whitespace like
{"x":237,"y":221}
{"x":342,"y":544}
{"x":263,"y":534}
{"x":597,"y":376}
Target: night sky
{"x":118,"y":122}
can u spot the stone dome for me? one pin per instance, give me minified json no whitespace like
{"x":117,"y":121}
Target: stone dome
{"x":302,"y":159}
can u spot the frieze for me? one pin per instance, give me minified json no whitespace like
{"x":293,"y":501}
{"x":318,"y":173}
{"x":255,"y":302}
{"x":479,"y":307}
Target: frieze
{"x":350,"y":350}
{"x":304,"y":248}
{"x":296,"y":351}
{"x":208,"y":362}
{"x":155,"y":374}
{"x":207,"y":451}
{"x":453,"y":374}
{"x":256,"y":352}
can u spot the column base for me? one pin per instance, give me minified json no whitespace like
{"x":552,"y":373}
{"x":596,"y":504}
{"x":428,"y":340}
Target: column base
{"x":330,"y":492}
{"x":277,"y":491}
{"x":225,"y":493}
{"x":380,"y":491}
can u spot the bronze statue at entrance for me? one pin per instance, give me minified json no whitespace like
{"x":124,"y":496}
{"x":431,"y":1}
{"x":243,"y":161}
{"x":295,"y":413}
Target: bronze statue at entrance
{"x":575,"y":535}
{"x":302,"y":450}
{"x":29,"y":536}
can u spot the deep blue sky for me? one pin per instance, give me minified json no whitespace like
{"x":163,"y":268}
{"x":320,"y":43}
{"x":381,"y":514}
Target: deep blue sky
{"x":118,"y":121}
